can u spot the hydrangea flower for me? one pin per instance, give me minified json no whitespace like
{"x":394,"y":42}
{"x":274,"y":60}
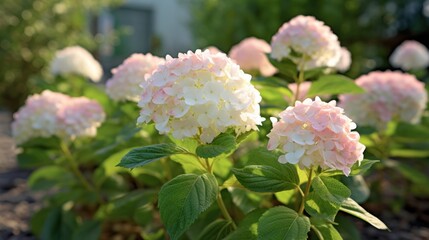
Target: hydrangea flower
{"x":76,"y":60}
{"x":307,"y":41}
{"x":124,"y":85}
{"x":410,"y":55}
{"x":345,"y":60}
{"x":55,"y":114}
{"x":316,"y":133}
{"x":250,"y":55}
{"x":199,"y":95}
{"x":38,"y":117}
{"x":79,"y":117}
{"x":389,"y":96}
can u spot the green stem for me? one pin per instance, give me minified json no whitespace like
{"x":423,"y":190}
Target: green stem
{"x":307,"y":190}
{"x":220,"y":202}
{"x":75,"y":169}
{"x":299,"y":80}
{"x":224,"y":211}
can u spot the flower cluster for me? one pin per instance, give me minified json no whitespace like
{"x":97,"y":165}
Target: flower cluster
{"x":410,"y":55}
{"x":79,"y":117}
{"x":307,"y":42}
{"x":316,"y":133}
{"x":389,"y":96}
{"x":124,"y":85}
{"x":345,"y":60}
{"x":250,"y":55}
{"x":199,"y":95}
{"x":55,"y":114}
{"x":76,"y":60}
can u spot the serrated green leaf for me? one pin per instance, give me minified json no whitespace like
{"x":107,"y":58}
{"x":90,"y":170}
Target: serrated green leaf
{"x":356,"y":169}
{"x":216,"y":230}
{"x":248,"y":227}
{"x":318,"y":207}
{"x":143,"y":155}
{"x":283,"y":223}
{"x":182,"y":199}
{"x":223,"y":143}
{"x":260,"y":178}
{"x":333,"y":84}
{"x":330,"y":189}
{"x":353,"y":208}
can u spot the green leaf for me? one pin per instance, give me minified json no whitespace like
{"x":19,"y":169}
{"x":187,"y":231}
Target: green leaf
{"x":245,"y":200}
{"x":189,"y":163}
{"x":330,"y":189}
{"x":333,"y":84}
{"x":356,"y":169}
{"x":286,"y":197}
{"x":358,"y":187}
{"x":326,"y":232}
{"x":49,"y":177}
{"x":143,"y":155}
{"x":351,"y":207}
{"x":216,"y":230}
{"x":90,"y":229}
{"x":409,"y":153}
{"x":285,"y":67}
{"x":223,"y":143}
{"x":318,"y":207}
{"x":260,"y":178}
{"x":58,"y":225}
{"x":411,"y":131}
{"x":182,"y":199}
{"x":283,"y":223}
{"x":33,"y":158}
{"x":248,"y":227}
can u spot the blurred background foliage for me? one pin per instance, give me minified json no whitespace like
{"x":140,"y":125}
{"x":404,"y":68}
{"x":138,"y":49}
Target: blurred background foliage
{"x":369,"y":29}
{"x":32,"y":30}
{"x":30,"y":33}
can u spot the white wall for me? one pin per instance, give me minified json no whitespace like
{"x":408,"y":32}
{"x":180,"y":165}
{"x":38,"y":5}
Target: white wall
{"x":171,"y":20}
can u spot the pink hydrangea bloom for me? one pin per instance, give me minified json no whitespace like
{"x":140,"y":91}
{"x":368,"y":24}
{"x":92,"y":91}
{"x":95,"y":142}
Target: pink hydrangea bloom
{"x":306,"y":41}
{"x":345,"y":60}
{"x":199,"y":95}
{"x":410,"y":55}
{"x":55,"y":114}
{"x":316,"y":133}
{"x":389,"y":96}
{"x":124,"y":85}
{"x":250,"y":55}
{"x":79,"y":117}
{"x":38,"y":117}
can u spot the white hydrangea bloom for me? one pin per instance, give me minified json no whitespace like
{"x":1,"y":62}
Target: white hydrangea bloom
{"x":305,"y":40}
{"x":76,"y":60}
{"x":199,"y":95}
{"x":410,"y":55}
